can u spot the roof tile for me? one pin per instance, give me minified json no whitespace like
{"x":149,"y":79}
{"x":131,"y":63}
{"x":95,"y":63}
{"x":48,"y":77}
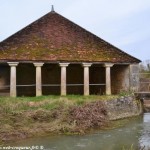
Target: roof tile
{"x":55,"y":38}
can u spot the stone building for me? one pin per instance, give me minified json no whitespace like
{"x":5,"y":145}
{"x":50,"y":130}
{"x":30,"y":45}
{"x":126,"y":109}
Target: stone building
{"x":56,"y":56}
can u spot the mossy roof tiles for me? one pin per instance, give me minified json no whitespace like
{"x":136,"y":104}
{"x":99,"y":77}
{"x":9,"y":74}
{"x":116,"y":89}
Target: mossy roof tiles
{"x":54,"y":38}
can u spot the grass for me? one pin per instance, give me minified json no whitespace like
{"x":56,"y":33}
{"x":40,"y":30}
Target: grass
{"x":24,"y":117}
{"x":8,"y":105}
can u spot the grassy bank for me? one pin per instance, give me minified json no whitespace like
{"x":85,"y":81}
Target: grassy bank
{"x":24,"y":117}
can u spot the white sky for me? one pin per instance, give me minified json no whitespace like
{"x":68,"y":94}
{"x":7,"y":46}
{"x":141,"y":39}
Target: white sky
{"x":125,"y":24}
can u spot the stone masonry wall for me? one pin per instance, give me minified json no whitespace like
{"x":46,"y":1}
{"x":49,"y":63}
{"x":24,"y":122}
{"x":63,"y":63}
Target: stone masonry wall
{"x":120,"y":78}
{"x":4,"y":80}
{"x":123,"y":107}
{"x":51,"y":75}
{"x":97,"y":76}
{"x":75,"y":76}
{"x":134,"y":77}
{"x":25,"y":76}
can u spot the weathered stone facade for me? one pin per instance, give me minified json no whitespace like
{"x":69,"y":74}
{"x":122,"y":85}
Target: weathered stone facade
{"x":123,"y":107}
{"x":134,"y":77}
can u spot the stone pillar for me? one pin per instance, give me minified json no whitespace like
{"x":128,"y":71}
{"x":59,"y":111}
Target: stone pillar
{"x":86,"y":78}
{"x":108,"y":78}
{"x":63,"y":77}
{"x":38,"y":78}
{"x":134,"y":78}
{"x":13,"y":89}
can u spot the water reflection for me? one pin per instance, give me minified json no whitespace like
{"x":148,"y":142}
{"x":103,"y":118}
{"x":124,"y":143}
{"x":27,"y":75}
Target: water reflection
{"x":136,"y":132}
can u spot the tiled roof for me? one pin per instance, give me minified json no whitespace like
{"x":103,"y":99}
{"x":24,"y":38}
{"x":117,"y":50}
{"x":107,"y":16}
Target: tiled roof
{"x":54,"y":38}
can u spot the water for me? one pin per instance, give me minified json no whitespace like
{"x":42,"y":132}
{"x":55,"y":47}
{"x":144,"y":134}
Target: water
{"x":136,"y":132}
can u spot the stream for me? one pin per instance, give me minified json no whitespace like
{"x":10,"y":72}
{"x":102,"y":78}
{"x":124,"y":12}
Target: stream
{"x":135,"y":133}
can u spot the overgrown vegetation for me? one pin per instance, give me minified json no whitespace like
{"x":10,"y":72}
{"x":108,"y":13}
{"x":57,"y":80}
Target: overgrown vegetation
{"x":145,"y":69}
{"x":126,"y":93}
{"x":145,"y":76}
{"x":29,"y":116}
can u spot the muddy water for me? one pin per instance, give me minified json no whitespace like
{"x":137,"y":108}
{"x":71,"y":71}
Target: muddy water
{"x":135,"y":132}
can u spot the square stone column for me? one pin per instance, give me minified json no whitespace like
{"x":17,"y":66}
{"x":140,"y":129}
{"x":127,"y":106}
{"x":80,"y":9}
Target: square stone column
{"x":86,"y":78}
{"x":134,"y":77}
{"x":13,"y":89}
{"x":63,"y":78}
{"x":108,"y":78}
{"x":38,"y":78}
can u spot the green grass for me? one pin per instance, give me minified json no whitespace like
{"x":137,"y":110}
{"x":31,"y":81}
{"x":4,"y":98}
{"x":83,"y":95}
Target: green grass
{"x":32,"y":116}
{"x":8,"y":104}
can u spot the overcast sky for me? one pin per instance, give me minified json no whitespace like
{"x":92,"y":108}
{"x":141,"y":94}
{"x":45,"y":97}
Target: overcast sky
{"x":125,"y":24}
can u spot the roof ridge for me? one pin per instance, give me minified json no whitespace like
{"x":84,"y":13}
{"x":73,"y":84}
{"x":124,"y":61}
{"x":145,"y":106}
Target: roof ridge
{"x":99,"y":38}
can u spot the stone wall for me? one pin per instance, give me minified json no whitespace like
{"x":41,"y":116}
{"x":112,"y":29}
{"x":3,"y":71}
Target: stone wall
{"x":4,"y":80}
{"x":120,"y":78}
{"x":75,"y":76}
{"x":97,"y":76}
{"x":123,"y":107}
{"x":51,"y":75}
{"x":134,"y":77}
{"x":25,"y":76}
{"x":145,"y":99}
{"x":144,"y":85}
